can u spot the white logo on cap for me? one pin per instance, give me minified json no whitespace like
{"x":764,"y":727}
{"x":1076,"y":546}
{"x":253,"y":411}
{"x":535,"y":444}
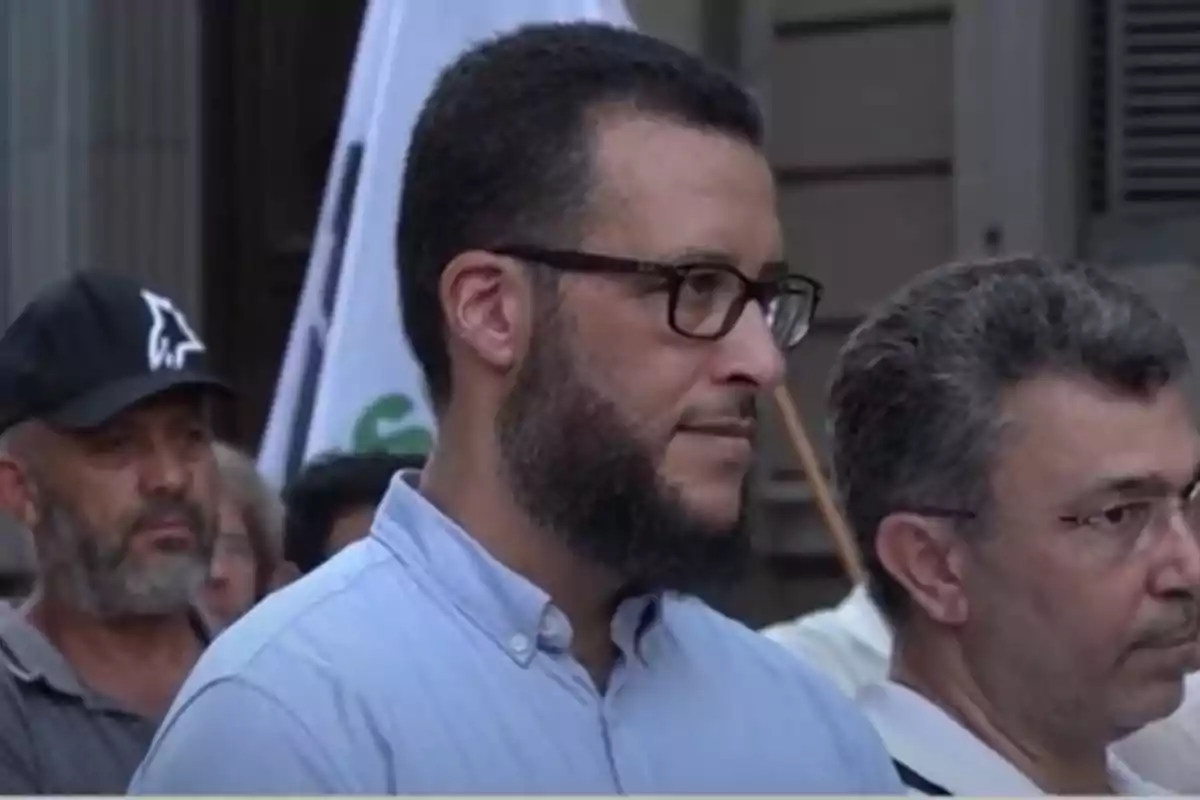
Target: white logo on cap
{"x":171,"y":338}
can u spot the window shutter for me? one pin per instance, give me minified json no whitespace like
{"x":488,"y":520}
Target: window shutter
{"x":1144,"y":105}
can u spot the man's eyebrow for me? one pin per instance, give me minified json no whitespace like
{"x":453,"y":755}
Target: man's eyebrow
{"x":771,"y":270}
{"x":701,"y":255}
{"x":1151,"y":484}
{"x":1148,"y":484}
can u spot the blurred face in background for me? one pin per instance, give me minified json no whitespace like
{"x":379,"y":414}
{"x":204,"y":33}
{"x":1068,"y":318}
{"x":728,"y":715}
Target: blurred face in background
{"x":232,"y":585}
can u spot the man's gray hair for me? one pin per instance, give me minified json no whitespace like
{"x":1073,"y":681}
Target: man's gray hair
{"x":915,"y":393}
{"x":260,"y":506}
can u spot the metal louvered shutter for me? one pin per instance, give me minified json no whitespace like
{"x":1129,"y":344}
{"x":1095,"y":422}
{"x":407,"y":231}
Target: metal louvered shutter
{"x":1149,"y":87}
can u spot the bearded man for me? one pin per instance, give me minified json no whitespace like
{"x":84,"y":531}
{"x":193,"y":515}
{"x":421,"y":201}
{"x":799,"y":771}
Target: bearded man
{"x":590,"y":262}
{"x":107,"y":458}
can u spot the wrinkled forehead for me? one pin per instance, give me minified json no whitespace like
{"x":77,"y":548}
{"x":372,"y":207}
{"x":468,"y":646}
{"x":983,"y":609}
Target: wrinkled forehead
{"x":667,"y":190}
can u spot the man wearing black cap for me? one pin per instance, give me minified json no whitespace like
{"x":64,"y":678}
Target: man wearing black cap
{"x":107,"y":457}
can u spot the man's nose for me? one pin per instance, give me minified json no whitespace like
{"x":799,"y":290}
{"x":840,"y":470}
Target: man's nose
{"x":1184,"y":565}
{"x":218,"y":571}
{"x":163,"y":469}
{"x":750,"y":353}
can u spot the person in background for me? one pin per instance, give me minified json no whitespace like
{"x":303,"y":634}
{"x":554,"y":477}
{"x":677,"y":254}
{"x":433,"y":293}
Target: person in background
{"x":594,"y":287}
{"x":248,"y":552}
{"x":107,"y":459}
{"x":851,"y":643}
{"x":1012,"y":446}
{"x":331,"y":502}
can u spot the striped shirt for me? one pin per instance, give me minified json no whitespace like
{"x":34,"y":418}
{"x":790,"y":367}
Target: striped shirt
{"x":415,"y":663}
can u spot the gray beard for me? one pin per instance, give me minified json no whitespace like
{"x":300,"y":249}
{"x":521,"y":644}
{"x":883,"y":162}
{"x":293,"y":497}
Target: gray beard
{"x":104,"y":582}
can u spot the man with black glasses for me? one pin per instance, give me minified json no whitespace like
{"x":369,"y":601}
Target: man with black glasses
{"x":592,"y":279}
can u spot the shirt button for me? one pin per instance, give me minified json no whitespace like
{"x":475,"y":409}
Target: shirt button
{"x":519,"y":644}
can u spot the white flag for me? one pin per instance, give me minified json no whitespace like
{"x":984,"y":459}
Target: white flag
{"x":349,"y":380}
{"x":286,"y":432}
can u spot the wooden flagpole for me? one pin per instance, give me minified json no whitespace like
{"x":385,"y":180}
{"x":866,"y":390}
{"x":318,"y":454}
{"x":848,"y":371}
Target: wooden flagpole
{"x":843,"y":540}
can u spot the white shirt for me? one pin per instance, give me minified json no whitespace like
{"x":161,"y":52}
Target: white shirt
{"x":851,"y":643}
{"x":929,"y":741}
{"x":1169,"y":750}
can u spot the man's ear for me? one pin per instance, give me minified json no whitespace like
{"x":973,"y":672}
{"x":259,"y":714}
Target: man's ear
{"x":18,"y":492}
{"x":488,"y":306}
{"x":925,"y":557}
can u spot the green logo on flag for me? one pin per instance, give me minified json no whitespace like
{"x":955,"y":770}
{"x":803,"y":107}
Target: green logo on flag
{"x":386,"y":425}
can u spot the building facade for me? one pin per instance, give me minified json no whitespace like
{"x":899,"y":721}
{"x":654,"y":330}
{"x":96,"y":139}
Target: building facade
{"x":187,"y":143}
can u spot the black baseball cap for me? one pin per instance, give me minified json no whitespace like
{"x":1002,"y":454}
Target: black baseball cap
{"x":91,"y":346}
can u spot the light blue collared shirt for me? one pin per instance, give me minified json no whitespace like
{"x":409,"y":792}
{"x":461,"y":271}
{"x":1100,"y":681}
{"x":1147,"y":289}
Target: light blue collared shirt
{"x":415,"y":663}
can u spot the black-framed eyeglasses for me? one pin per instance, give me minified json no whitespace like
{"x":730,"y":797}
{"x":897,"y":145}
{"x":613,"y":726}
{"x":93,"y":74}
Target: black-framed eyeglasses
{"x":704,"y":300}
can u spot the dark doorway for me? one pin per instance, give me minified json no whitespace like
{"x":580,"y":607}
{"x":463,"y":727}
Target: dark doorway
{"x":275,"y":75}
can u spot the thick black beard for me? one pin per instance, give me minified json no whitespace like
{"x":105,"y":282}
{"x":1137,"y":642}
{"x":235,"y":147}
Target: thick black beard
{"x":579,"y":470}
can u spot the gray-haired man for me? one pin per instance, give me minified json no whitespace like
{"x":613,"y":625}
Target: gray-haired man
{"x":1013,"y":448}
{"x":107,"y":459}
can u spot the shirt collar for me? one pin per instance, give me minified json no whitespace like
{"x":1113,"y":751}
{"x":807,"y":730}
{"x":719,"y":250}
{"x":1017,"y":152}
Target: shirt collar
{"x":862,"y":618}
{"x":31,"y":658}
{"x":921,"y":735}
{"x":514,"y":612}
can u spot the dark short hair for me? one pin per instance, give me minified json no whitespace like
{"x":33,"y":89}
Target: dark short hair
{"x":916,"y":391}
{"x":325,"y":489}
{"x":500,"y":151}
